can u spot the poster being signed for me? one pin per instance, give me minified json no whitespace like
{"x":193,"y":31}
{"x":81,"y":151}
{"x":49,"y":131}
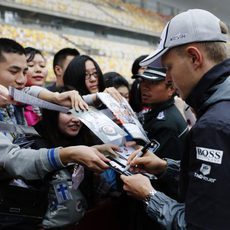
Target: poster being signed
{"x":100,"y":125}
{"x":124,"y":115}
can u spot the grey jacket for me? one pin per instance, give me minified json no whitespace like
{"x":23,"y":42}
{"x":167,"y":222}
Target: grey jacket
{"x":26,"y":163}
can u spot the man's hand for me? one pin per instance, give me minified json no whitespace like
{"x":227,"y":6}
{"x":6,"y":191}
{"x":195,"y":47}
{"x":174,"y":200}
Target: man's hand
{"x":149,"y":162}
{"x":88,"y":156}
{"x":5,"y":98}
{"x":137,"y":186}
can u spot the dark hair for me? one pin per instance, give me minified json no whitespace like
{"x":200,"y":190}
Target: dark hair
{"x":75,"y":74}
{"x":135,"y":96}
{"x":31,"y":52}
{"x":10,"y":46}
{"x":61,"y":55}
{"x":114,"y":79}
{"x":49,"y":128}
{"x":136,"y":66}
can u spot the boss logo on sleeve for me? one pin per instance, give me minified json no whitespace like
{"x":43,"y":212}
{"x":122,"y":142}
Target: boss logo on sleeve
{"x":209,"y":155}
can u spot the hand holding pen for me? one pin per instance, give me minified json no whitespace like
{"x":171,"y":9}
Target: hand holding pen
{"x":154,"y":144}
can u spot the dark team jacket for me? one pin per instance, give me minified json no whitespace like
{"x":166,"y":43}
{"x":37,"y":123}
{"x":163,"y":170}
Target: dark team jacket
{"x":166,"y":124}
{"x":205,"y":168}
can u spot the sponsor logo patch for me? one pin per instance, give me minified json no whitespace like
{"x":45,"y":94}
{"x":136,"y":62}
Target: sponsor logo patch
{"x":178,"y":36}
{"x":161,"y":115}
{"x":202,"y":177}
{"x":209,"y":155}
{"x":205,"y":169}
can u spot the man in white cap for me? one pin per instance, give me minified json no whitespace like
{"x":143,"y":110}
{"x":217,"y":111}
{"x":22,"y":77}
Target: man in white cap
{"x":192,"y":48}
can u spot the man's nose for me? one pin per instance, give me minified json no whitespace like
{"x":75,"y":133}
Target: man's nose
{"x":21,"y":79}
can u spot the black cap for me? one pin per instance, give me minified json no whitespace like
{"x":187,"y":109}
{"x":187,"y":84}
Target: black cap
{"x":153,"y":74}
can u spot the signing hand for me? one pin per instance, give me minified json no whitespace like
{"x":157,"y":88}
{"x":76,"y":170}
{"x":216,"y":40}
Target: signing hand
{"x":148,"y":162}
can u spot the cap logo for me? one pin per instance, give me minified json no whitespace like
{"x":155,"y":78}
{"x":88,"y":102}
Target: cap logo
{"x":178,"y":36}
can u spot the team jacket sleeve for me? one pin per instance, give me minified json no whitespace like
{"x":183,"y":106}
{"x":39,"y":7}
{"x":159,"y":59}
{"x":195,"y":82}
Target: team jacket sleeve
{"x":167,"y":212}
{"x":27,"y":163}
{"x":172,"y":171}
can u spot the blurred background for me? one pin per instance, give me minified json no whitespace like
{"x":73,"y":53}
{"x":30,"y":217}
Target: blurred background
{"x":113,"y":32}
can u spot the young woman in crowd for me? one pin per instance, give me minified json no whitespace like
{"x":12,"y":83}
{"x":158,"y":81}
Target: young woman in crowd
{"x":36,"y":75}
{"x":84,"y":74}
{"x":37,"y":69}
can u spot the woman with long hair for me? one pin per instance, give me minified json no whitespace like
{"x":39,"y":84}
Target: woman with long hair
{"x":84,"y":74}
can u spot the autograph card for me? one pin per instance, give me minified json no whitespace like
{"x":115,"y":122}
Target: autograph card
{"x":119,"y":161}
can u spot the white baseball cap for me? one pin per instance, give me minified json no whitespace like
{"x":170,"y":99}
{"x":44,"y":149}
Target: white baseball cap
{"x":194,"y":25}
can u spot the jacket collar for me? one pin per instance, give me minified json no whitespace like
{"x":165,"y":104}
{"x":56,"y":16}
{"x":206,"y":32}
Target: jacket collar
{"x":205,"y":87}
{"x":160,"y":107}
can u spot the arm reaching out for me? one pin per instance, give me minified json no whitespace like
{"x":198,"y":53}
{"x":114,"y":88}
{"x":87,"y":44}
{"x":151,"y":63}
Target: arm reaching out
{"x":70,"y":99}
{"x":88,"y":156}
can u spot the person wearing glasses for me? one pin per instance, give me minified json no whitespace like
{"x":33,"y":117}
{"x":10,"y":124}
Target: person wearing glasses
{"x":85,"y":75}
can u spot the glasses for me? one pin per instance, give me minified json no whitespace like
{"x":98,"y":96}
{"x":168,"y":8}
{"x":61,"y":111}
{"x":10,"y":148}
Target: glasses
{"x":89,"y":75}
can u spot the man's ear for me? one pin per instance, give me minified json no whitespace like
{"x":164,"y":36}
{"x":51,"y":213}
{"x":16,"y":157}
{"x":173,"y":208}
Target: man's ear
{"x":195,"y":56}
{"x":172,"y":90}
{"x":58,"y":70}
